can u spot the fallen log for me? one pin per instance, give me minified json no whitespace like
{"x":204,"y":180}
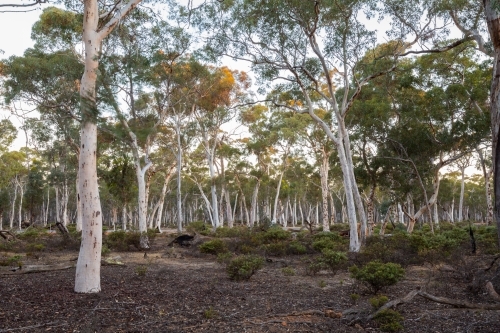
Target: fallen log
{"x":26,"y":269}
{"x":7,"y":235}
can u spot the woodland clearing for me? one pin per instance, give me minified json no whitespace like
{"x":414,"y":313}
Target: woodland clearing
{"x":179,"y":289}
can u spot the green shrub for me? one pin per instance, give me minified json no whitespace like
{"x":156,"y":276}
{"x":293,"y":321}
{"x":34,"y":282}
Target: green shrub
{"x":377,"y":274}
{"x":378,"y":301}
{"x":243,"y":267}
{"x":141,"y":270}
{"x":389,"y":320}
{"x":288,"y":271}
{"x":121,"y":240}
{"x":35,"y":247}
{"x":275,"y":233}
{"x":209,"y":313}
{"x":327,"y":240}
{"x":226,"y":232}
{"x":313,"y":267}
{"x":296,"y":248}
{"x":276,"y":249}
{"x":224,"y":257}
{"x":30,"y":233}
{"x":215,"y":246}
{"x":105,"y":250}
{"x":332,"y":259}
{"x":12,"y":261}
{"x":199,"y":227}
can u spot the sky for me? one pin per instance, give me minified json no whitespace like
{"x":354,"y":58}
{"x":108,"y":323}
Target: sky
{"x":14,"y":39}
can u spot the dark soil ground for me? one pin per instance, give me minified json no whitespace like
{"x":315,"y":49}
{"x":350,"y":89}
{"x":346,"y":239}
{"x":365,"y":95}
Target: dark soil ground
{"x":179,"y":290}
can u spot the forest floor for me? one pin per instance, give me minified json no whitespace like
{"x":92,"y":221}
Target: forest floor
{"x":180,"y":290}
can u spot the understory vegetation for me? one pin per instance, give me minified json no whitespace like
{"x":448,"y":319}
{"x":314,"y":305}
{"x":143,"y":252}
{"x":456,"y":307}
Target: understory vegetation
{"x":242,"y":252}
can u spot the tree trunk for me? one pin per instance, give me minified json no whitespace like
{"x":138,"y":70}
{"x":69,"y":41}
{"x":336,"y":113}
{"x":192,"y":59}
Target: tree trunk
{"x":13,"y":208}
{"x":323,"y":171}
{"x":493,"y":21}
{"x":88,"y":268}
{"x":253,"y":206}
{"x":462,"y":192}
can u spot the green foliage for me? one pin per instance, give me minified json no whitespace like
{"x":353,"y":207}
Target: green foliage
{"x":215,"y":246}
{"x":198,"y":227}
{"x":322,"y":284}
{"x":210,"y":313}
{"x":326,"y":240}
{"x":355,"y":298}
{"x":377,"y":274}
{"x":12,"y":261}
{"x":226,"y":232}
{"x":121,"y":240}
{"x":389,"y":320}
{"x":276,"y":233}
{"x":378,"y":301}
{"x":296,"y":248}
{"x":31,"y":233}
{"x":332,"y":259}
{"x":224,"y":257}
{"x":486,"y":239}
{"x":288,"y":271}
{"x":243,"y":267}
{"x":105,"y":250}
{"x":276,"y":249}
{"x":141,"y":270}
{"x":313,"y":267}
{"x":35,"y":247}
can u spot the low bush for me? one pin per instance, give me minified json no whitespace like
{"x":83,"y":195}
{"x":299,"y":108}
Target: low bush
{"x":288,"y":271}
{"x":243,"y":267}
{"x":275,"y":234}
{"x":333,"y":260}
{"x":378,"y":275}
{"x":199,"y":227}
{"x":313,"y":267}
{"x":378,"y":301}
{"x":389,"y":320}
{"x":215,"y":246}
{"x":121,"y":240}
{"x":35,"y":247}
{"x":276,"y":249}
{"x":296,"y":248}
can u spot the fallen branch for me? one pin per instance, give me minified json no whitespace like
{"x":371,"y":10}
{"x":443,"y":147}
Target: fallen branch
{"x":7,"y":235}
{"x":50,"y":325}
{"x":35,"y":269}
{"x":492,"y":292}
{"x":459,"y":303}
{"x":394,"y":303}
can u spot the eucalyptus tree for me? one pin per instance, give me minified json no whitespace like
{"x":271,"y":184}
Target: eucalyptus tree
{"x":47,"y":77}
{"x":217,"y":92}
{"x":307,"y":45}
{"x":142,"y":51}
{"x":433,"y":123}
{"x":99,"y":20}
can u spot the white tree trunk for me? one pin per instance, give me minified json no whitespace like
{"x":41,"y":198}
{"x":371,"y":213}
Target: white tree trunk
{"x":253,"y":206}
{"x":13,"y":210}
{"x":180,"y":222}
{"x":462,"y":192}
{"x":323,"y":171}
